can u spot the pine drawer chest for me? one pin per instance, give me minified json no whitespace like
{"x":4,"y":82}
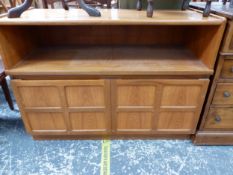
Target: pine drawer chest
{"x":216,"y":127}
{"x":121,"y":74}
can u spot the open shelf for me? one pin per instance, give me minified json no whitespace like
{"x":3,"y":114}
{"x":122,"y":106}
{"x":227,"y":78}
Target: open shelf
{"x":111,"y":60}
{"x":120,"y":42}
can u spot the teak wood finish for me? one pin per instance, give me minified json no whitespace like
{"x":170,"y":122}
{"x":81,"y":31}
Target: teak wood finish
{"x":216,"y":126}
{"x":121,"y":74}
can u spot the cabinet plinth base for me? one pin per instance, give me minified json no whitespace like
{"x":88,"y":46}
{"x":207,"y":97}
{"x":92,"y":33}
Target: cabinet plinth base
{"x":213,"y":138}
{"x":124,"y":137}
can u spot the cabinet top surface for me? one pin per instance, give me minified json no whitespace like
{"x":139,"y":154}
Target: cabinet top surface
{"x":111,"y":17}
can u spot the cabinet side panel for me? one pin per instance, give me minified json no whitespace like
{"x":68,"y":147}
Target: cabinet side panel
{"x":15,"y":44}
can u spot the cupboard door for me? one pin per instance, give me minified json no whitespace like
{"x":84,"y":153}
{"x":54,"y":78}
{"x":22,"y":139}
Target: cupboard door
{"x":41,"y":106}
{"x":64,"y":106}
{"x":157,"y":106}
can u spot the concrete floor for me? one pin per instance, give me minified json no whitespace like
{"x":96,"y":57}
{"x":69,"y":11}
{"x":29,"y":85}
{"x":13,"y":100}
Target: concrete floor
{"x":20,"y":155}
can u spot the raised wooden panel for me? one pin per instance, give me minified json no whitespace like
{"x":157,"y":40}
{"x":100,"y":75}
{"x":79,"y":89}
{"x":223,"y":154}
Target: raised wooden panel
{"x":39,"y":96}
{"x":133,"y":103}
{"x":136,"y":95}
{"x":134,"y":121}
{"x":219,"y":118}
{"x":176,"y":121}
{"x":46,"y":122}
{"x":223,"y":94}
{"x":180,"y":95}
{"x":84,"y":96}
{"x":88,"y":121}
{"x":227,"y":68}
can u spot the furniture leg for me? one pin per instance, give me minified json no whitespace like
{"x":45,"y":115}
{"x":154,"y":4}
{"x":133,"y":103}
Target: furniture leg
{"x":231,"y":4}
{"x":139,"y":5}
{"x":206,"y":11}
{"x":185,"y":4}
{"x":45,"y":4}
{"x":150,"y":8}
{"x":90,"y":10}
{"x":64,"y":5}
{"x":3,"y":6}
{"x":11,"y":3}
{"x":109,"y":4}
{"x":17,"y":11}
{"x":224,"y":2}
{"x":7,"y":93}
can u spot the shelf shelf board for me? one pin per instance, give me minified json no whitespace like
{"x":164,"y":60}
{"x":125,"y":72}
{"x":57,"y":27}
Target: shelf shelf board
{"x":111,"y":17}
{"x":108,"y":61}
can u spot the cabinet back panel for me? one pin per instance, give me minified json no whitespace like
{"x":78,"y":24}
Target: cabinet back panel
{"x":105,"y":35}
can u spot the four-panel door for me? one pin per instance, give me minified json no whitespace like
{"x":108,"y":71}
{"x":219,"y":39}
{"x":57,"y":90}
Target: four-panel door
{"x":105,"y":106}
{"x":64,"y":106}
{"x":156,"y":106}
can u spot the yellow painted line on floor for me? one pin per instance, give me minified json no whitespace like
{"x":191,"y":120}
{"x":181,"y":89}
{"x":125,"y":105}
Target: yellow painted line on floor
{"x":105,"y":157}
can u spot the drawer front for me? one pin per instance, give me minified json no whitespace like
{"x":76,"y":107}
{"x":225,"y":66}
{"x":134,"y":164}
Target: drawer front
{"x":220,"y":118}
{"x":62,"y":106}
{"x":227,"y":45}
{"x":227,"y":69}
{"x":157,"y":106}
{"x":223,"y":94}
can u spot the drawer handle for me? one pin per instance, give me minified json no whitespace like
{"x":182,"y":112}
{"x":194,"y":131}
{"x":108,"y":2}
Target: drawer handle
{"x":217,"y":118}
{"x":232,"y":69}
{"x":226,"y":94}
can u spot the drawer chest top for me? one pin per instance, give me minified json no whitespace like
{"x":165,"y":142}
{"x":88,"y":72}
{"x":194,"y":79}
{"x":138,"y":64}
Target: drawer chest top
{"x":216,"y":8}
{"x":111,"y":17}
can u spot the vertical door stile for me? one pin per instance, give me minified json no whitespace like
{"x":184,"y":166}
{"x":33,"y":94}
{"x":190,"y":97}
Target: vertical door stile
{"x":65,"y":107}
{"x":158,"y":96}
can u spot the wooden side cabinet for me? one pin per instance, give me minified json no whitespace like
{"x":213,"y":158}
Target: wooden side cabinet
{"x":121,"y":74}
